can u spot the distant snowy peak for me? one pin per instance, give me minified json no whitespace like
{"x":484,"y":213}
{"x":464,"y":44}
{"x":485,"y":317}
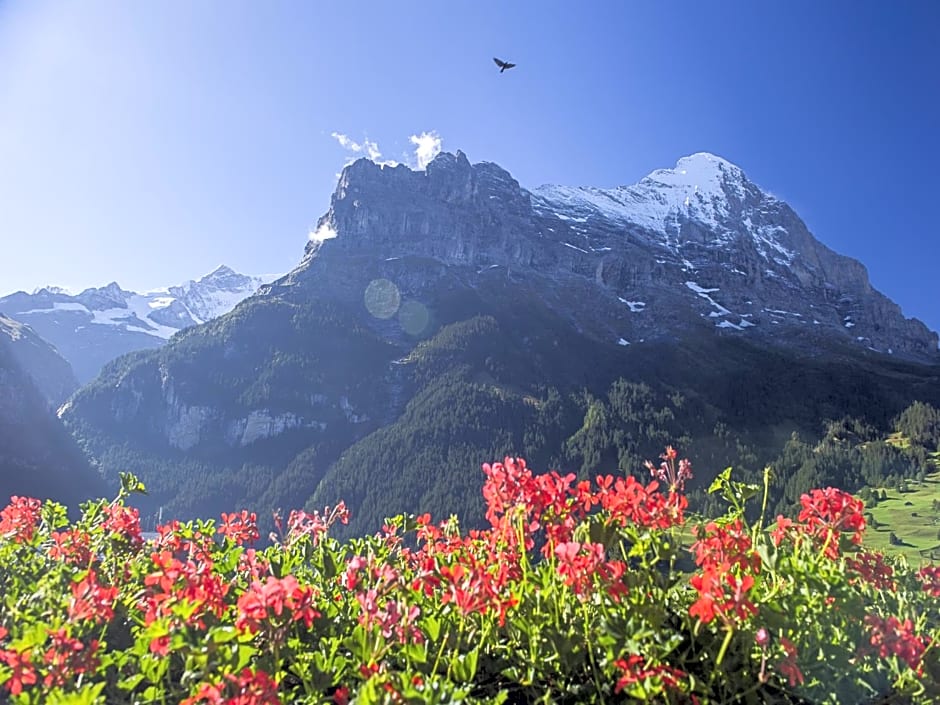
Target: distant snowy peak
{"x":51,"y":290}
{"x":159,"y":313}
{"x":215,"y":294}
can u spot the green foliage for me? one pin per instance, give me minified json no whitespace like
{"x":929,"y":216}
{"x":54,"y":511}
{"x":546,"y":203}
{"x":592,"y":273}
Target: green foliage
{"x":913,"y":516}
{"x":920,"y":423}
{"x":571,"y":595}
{"x":848,"y":457}
{"x":37,"y":456}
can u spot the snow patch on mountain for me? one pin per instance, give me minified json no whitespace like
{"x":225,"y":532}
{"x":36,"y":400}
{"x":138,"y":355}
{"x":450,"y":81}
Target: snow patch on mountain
{"x":635,"y":306}
{"x":702,"y":188}
{"x":699,"y":186}
{"x":705,"y":294}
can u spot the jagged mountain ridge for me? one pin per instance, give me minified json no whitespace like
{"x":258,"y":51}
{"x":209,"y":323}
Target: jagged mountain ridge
{"x":99,"y":324}
{"x":442,"y":318}
{"x":696,"y":242}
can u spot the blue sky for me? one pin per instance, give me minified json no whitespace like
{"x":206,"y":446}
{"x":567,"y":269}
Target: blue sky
{"x":149,"y":142}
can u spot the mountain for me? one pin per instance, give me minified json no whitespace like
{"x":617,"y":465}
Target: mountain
{"x":100,"y":324}
{"x":446,"y":317}
{"x":49,"y":371}
{"x":38,"y":458}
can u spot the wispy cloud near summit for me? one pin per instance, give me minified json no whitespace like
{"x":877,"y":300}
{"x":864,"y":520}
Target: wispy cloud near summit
{"x":366,"y":147}
{"x":427,"y":145}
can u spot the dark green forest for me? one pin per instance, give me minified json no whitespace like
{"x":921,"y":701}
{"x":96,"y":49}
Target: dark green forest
{"x":492,"y":380}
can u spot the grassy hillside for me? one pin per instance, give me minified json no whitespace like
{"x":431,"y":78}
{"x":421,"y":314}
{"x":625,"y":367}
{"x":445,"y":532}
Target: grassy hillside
{"x":910,"y":516}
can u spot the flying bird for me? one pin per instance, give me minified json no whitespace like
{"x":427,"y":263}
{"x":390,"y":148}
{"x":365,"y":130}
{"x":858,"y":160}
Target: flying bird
{"x":503,"y":65}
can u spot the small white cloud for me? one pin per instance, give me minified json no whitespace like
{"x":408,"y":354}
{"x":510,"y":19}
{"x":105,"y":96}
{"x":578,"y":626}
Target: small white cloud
{"x":324,"y":232}
{"x":370,"y":148}
{"x":345,"y":142}
{"x":427,"y":146}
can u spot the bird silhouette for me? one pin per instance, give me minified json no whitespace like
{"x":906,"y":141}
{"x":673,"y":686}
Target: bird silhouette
{"x":503,"y":65}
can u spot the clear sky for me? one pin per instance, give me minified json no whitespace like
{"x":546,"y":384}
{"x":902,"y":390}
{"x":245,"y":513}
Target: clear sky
{"x":148,"y":142}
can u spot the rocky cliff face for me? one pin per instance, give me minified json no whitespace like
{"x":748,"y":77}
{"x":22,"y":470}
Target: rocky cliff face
{"x":696,"y":245}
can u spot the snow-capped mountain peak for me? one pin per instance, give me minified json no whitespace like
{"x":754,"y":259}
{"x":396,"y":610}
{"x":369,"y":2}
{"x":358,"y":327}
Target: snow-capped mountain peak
{"x":704,"y":199}
{"x":127,"y":320}
{"x":209,"y":297}
{"x":701,"y":187}
{"x":701,"y":173}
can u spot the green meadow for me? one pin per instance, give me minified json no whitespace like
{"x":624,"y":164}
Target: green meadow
{"x":911,"y":516}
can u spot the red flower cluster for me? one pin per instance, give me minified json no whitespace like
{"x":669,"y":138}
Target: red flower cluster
{"x":667,"y":472}
{"x":728,"y":564}
{"x":580,"y":563}
{"x":635,"y":670}
{"x":168,"y":537}
{"x":123,"y":522}
{"x":788,"y":666}
{"x":91,"y":600}
{"x":252,"y":564}
{"x":315,"y":525}
{"x":930,"y":576}
{"x":274,"y":603}
{"x":247,"y":688}
{"x":828,"y":513}
{"x":629,"y":501}
{"x":395,"y":617}
{"x":550,"y":502}
{"x":175,"y":582}
{"x":477,"y":583}
{"x":727,"y":545}
{"x":19,"y":519}
{"x":723,"y":595}
{"x":71,"y":546}
{"x":892,"y":636}
{"x":67,"y":657}
{"x":871,"y":568}
{"x":242,"y":528}
{"x":23,"y":671}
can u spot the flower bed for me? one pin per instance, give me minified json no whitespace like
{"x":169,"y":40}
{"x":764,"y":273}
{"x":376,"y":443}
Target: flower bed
{"x":577,"y":592}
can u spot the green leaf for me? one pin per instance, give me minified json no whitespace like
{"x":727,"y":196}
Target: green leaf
{"x":768,"y":559}
{"x":88,"y":695}
{"x":245,"y":652}
{"x":465,"y":666}
{"x":416,"y":653}
{"x":432,"y":627}
{"x":224,"y":634}
{"x":131,"y":484}
{"x":720,"y":481}
{"x":131,"y":681}
{"x":330,"y":569}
